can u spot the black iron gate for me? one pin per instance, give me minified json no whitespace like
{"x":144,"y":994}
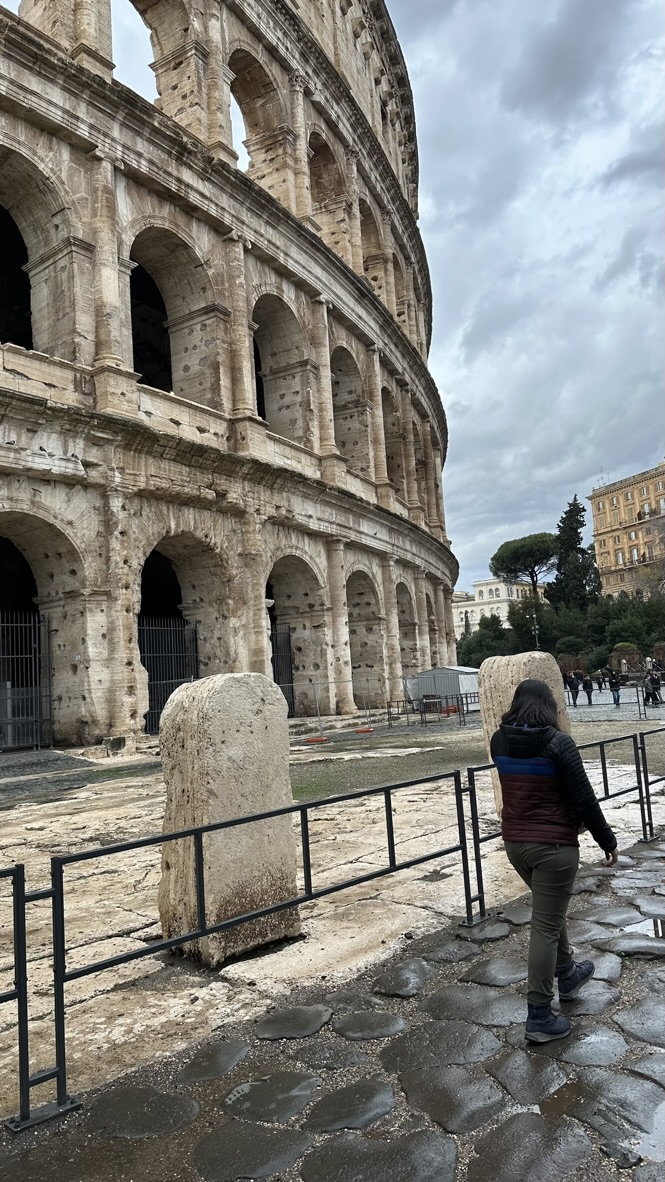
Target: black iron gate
{"x":169,"y":651}
{"x":25,"y":680}
{"x":282,"y":663}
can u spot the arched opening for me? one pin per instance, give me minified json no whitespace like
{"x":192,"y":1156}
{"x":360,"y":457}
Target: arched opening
{"x":24,"y":674}
{"x":433,"y":630}
{"x":372,"y":249}
{"x":132,"y":49}
{"x":238,"y":132}
{"x":260,"y":106}
{"x":15,"y":317}
{"x":408,"y":637}
{"x":167,"y":644}
{"x":296,"y":611}
{"x":283,"y":372}
{"x":328,"y":192}
{"x":175,"y":321}
{"x":366,"y":642}
{"x":401,"y":301}
{"x":392,"y":429}
{"x":351,"y":412}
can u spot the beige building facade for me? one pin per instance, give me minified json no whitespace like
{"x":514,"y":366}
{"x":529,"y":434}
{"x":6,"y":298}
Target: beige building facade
{"x":221,"y":448}
{"x":490,"y":598}
{"x":628,"y":531}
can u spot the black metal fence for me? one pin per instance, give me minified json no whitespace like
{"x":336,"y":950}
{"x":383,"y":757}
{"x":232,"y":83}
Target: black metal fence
{"x":433,"y":708}
{"x":25,"y":680}
{"x":468,"y":849}
{"x":169,"y":653}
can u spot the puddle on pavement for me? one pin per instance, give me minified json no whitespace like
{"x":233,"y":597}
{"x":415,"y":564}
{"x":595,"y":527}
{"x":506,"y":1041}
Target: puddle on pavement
{"x":652,"y":1145}
{"x":558,"y":1104}
{"x":651,"y":927}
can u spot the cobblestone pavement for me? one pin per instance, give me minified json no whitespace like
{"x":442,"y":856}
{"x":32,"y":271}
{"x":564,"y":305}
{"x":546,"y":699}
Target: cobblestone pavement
{"x":417,"y":1072}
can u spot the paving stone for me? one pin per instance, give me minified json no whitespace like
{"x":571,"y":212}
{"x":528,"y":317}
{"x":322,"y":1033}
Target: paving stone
{"x":615,"y":917}
{"x":526,"y":1147}
{"x":516,"y":913}
{"x":416,"y":1157}
{"x":647,"y":853}
{"x":608,"y":965}
{"x":586,"y":886}
{"x":275,"y":1097}
{"x":637,"y":944}
{"x":235,"y":1150}
{"x":613,"y":1103}
{"x":595,"y":998}
{"x":645,"y":1021}
{"x":140,"y":1112}
{"x":437,"y":1043}
{"x":526,"y":1078}
{"x":651,"y":1066}
{"x":475,"y":1003}
{"x":452,"y":1097}
{"x":498,"y":970}
{"x":651,"y":906}
{"x":214,"y":1061}
{"x":368,"y":1025}
{"x":405,"y":979}
{"x":300,"y":1022}
{"x":583,"y":931}
{"x":649,"y":1172}
{"x":593,"y":1047}
{"x":328,"y":1056}
{"x":350,"y":1001}
{"x":491,"y":930}
{"x":625,"y":1158}
{"x":355,"y":1107}
{"x":442,"y":951}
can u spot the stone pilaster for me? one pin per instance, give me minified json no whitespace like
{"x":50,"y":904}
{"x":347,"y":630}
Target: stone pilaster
{"x":438,"y":475}
{"x":332,"y":464}
{"x":393,"y":654}
{"x":430,"y":484}
{"x":440,"y":612}
{"x":126,"y":678}
{"x":258,"y":657}
{"x":303,"y":196}
{"x":340,"y":628}
{"x":115,"y":385}
{"x":424,"y":654}
{"x":92,"y":37}
{"x":412,"y":324}
{"x":450,"y":626}
{"x":242,"y":385}
{"x":384,"y":489}
{"x":411,"y":481}
{"x":355,"y":233}
{"x":218,"y":88}
{"x":389,"y":270}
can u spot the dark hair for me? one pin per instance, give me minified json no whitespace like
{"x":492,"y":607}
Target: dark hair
{"x":533,"y":704}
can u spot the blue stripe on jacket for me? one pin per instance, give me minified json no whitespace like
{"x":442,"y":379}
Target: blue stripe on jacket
{"x":510,"y":766}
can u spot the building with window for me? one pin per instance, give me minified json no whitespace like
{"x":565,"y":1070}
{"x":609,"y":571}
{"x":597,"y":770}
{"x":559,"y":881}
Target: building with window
{"x":629,"y":531}
{"x":490,"y":598}
{"x":221,"y":446}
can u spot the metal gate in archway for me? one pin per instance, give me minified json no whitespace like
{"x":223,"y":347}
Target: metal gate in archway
{"x":25,"y":680}
{"x":282,"y":663}
{"x":170,"y":654}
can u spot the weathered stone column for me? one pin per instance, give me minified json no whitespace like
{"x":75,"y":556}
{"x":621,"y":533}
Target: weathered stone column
{"x":497,"y":681}
{"x":126,"y":678}
{"x":412,"y":325}
{"x":253,"y":557}
{"x":303,"y":196}
{"x":92,"y":36}
{"x":384,"y":489}
{"x":450,"y":626}
{"x":389,"y":271}
{"x":440,"y":613}
{"x":355,"y":232}
{"x":340,"y":628}
{"x":242,"y":386}
{"x":430,"y":484}
{"x":218,"y":88}
{"x":393,"y":653}
{"x":225,"y":754}
{"x":333,"y":467}
{"x":410,"y":479}
{"x":424,"y":653}
{"x":440,"y":508}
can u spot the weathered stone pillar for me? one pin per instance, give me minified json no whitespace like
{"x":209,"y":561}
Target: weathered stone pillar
{"x":393,"y":653}
{"x":497,"y":681}
{"x":253,"y":557}
{"x":430,"y":484}
{"x":92,"y":36}
{"x":355,"y":232}
{"x":389,"y":270}
{"x":424,"y":653}
{"x":384,"y":489}
{"x":218,"y":88}
{"x":126,"y":678}
{"x":411,"y":481}
{"x":225,"y":754}
{"x":440,"y":509}
{"x":440,"y":613}
{"x":450,"y":626}
{"x":242,"y":385}
{"x":333,"y":467}
{"x":340,"y":628}
{"x":412,"y":325}
{"x":303,"y":196}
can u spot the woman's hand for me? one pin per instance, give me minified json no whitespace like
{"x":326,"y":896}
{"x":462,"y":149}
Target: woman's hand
{"x":612,"y":857}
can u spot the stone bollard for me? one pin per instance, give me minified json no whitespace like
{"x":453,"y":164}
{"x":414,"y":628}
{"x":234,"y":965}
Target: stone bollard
{"x":225,"y":753}
{"x":497,"y":681}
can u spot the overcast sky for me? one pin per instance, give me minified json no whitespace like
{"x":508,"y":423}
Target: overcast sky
{"x":541,"y":162}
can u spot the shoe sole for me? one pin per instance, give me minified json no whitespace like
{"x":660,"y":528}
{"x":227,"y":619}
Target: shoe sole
{"x":541,"y":1037}
{"x":576,"y":991}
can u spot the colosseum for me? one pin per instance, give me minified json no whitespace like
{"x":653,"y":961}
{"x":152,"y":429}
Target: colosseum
{"x":221,"y":446}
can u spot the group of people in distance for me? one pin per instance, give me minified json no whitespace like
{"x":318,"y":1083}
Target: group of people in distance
{"x":574,"y":682}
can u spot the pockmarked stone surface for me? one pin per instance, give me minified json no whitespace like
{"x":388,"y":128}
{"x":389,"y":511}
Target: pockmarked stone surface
{"x":593,"y":1047}
{"x":499,"y":971}
{"x":475,"y":1003}
{"x":299,"y":1022}
{"x":214,"y":1061}
{"x":405,"y":979}
{"x":356,"y":1107}
{"x":527,"y":1078}
{"x":446,"y":951}
{"x":140,"y":1112}
{"x":236,"y":1150}
{"x":516,"y":913}
{"x":645,"y":1020}
{"x":526,"y":1146}
{"x":277,"y":1097}
{"x":351,"y":1001}
{"x":437,"y":1043}
{"x":452,"y":1097}
{"x":652,"y":1066}
{"x":595,"y":998}
{"x":586,"y":886}
{"x":628,"y":944}
{"x":366,"y":1025}
{"x":607,"y":965}
{"x":415,"y":1157}
{"x":485,"y":932}
{"x":651,"y":906}
{"x":224,"y":745}
{"x":609,"y":1101}
{"x":328,"y":1055}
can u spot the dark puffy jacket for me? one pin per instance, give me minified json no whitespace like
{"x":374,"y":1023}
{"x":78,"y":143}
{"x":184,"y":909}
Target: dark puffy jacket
{"x":546,"y":793}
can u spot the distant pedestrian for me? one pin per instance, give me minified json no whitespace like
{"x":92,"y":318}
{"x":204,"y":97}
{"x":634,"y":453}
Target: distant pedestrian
{"x":615,"y":687}
{"x":647,"y":691}
{"x":600,"y":681}
{"x":655,"y":688}
{"x":587,"y":686}
{"x":546,"y":798}
{"x":573,"y":687}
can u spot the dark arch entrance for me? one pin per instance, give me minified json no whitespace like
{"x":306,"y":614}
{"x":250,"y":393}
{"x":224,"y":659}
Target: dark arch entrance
{"x":15,"y":317}
{"x":24,"y":665}
{"x":167,"y":641}
{"x":152,"y":348}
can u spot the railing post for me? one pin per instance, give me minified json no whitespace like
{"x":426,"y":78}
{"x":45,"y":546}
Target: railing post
{"x":603,"y":765}
{"x":640,"y":789}
{"x":464,"y":853}
{"x":390,"y":828}
{"x":475,"y":837}
{"x":21,"y":986}
{"x":199,"y":870}
{"x":647,"y":786}
{"x":59,"y":970}
{"x":306,"y":854}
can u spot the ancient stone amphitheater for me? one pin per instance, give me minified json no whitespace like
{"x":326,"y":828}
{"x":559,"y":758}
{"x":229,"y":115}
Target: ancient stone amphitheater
{"x":221,"y":448}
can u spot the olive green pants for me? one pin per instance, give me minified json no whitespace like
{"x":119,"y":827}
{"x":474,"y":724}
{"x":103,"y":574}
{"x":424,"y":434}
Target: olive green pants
{"x":549,"y":871}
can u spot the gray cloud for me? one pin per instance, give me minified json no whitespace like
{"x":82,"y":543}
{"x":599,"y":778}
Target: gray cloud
{"x":644,"y":162}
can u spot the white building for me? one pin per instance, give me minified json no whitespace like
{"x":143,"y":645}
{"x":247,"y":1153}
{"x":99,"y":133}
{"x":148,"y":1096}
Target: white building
{"x":490,"y":598}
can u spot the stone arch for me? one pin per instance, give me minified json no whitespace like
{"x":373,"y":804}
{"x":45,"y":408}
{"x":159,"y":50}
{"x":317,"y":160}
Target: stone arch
{"x":263,"y":112}
{"x":327,"y":185}
{"x":351,"y":412}
{"x":366,"y":640}
{"x":37,"y":258}
{"x":298,"y":627}
{"x":177,"y":39}
{"x":283,"y":371}
{"x":372,"y":249}
{"x":408,"y":635}
{"x":392,"y":427}
{"x":174,"y":316}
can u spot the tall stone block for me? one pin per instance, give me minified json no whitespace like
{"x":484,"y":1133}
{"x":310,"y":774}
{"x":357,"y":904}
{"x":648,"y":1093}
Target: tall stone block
{"x":498,"y":679}
{"x":225,"y":754}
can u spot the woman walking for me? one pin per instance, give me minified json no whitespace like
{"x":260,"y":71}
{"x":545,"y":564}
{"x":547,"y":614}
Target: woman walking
{"x":547,"y":798}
